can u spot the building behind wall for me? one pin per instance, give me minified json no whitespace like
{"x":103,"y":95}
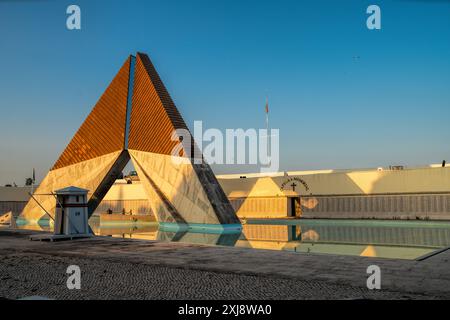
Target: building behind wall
{"x":13,"y":199}
{"x":395,"y":193}
{"x":125,"y":197}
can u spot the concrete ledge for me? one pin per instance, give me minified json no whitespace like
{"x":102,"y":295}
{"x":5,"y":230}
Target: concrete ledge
{"x":203,"y":228}
{"x":56,"y":237}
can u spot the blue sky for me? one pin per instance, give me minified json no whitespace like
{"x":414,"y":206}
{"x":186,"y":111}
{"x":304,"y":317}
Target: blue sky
{"x":219,"y":60}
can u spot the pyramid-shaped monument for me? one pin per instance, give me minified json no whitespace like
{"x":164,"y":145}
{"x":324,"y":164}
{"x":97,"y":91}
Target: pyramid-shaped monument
{"x":135,"y":119}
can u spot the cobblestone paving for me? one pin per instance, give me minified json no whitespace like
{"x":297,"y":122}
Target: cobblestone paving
{"x":31,"y":274}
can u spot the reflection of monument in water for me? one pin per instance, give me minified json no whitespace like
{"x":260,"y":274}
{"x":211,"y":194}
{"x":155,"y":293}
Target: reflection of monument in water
{"x":134,"y":120}
{"x":164,"y":232}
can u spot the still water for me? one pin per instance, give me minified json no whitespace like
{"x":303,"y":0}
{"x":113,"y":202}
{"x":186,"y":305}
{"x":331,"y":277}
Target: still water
{"x":370,"y":238}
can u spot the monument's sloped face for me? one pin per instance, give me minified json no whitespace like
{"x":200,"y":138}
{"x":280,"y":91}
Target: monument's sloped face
{"x":87,"y":174}
{"x":92,"y":155}
{"x":136,"y":118}
{"x":177,"y":195}
{"x":154,"y":116}
{"x":188,"y":192}
{"x":103,"y":131}
{"x":179,"y":186}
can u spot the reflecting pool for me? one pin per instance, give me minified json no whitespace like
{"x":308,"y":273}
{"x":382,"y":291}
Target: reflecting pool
{"x":369,"y":238}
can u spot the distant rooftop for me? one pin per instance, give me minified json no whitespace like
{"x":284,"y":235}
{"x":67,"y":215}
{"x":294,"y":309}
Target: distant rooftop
{"x":14,"y":194}
{"x":71,"y":190}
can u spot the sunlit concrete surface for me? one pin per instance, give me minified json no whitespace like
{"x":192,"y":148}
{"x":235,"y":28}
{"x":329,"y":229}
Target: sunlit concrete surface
{"x":346,"y":182}
{"x":87,"y":175}
{"x":135,"y":269}
{"x":178,"y":182}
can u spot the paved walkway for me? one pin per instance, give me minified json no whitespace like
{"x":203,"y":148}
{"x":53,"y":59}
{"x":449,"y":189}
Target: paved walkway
{"x":124,"y":268}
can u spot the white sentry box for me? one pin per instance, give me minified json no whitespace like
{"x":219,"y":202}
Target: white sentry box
{"x":71,"y":212}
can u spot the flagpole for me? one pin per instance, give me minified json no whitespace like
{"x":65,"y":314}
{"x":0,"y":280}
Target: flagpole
{"x":267,"y":125}
{"x":32,"y":181}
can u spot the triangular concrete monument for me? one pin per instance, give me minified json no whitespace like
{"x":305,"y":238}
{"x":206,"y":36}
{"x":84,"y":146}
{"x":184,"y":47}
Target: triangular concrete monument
{"x":135,"y":119}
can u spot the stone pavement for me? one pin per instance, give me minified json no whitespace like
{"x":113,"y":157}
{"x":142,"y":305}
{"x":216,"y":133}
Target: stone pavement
{"x":114,"y":268}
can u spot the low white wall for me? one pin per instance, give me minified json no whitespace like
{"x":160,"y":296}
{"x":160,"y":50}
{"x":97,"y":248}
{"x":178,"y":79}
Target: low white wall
{"x":423,"y":180}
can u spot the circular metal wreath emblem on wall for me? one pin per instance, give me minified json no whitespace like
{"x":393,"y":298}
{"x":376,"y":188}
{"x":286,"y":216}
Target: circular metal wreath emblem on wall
{"x":291,"y":182}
